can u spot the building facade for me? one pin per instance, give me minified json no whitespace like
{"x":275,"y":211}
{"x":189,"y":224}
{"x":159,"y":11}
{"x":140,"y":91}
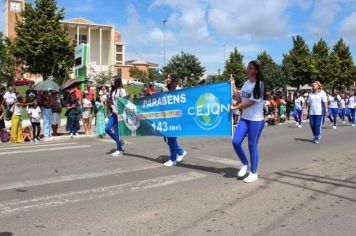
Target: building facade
{"x":106,"y":49}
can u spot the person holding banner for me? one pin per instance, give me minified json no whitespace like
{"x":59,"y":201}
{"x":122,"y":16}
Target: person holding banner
{"x":177,"y":153}
{"x":117,"y":91}
{"x":251,"y":100}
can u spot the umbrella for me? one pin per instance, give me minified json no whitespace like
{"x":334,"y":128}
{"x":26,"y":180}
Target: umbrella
{"x":47,"y":85}
{"x":71,"y":84}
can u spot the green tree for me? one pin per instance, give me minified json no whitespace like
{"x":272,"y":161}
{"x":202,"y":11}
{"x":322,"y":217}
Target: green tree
{"x":320,"y":59}
{"x":234,"y":66}
{"x":297,"y":63}
{"x":154,"y":75}
{"x":7,"y":61}
{"x":272,"y":72}
{"x":187,"y":66}
{"x":103,"y":77}
{"x":347,"y":66}
{"x":136,"y":73}
{"x":334,"y":70}
{"x":42,"y":44}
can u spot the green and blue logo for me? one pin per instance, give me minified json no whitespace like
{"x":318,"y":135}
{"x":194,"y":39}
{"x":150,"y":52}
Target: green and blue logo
{"x":207,"y":111}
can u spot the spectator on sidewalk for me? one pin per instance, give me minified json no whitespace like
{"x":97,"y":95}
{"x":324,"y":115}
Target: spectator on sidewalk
{"x":31,"y":93}
{"x":47,"y":105}
{"x":78,"y":93}
{"x":87,"y":108}
{"x":2,"y":120}
{"x":9,"y":98}
{"x":34,"y":112}
{"x":150,"y":90}
{"x":56,"y":113}
{"x":16,"y":130}
{"x":100,"y":117}
{"x":72,"y":113}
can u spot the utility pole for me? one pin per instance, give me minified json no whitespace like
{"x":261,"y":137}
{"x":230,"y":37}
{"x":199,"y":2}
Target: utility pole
{"x":164,"y":41}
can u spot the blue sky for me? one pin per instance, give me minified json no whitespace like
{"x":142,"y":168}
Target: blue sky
{"x":203,"y":27}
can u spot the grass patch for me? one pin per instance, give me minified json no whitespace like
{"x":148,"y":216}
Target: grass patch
{"x":133,"y":89}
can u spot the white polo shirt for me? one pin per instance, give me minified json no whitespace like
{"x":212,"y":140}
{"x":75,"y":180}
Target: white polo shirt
{"x":316,"y":101}
{"x":352,"y":102}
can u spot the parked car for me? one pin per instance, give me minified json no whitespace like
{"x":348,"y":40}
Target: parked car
{"x":158,"y":84}
{"x":135,"y":82}
{"x":23,"y":81}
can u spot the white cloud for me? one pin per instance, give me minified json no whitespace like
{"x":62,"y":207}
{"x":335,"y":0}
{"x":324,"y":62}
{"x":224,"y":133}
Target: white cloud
{"x":248,"y":19}
{"x":348,"y":28}
{"x":188,"y":17}
{"x":158,"y":35}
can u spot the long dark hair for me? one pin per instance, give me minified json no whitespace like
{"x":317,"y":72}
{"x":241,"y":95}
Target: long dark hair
{"x":174,"y":80}
{"x":117,"y":85}
{"x":260,"y":87}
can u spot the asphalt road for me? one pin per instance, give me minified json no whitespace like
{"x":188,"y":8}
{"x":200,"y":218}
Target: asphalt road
{"x":76,"y":188}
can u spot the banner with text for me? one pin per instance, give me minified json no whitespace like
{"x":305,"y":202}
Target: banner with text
{"x":198,"y":111}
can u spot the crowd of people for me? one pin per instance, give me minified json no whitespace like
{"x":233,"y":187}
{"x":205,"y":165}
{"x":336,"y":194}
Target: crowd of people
{"x":252,"y":107}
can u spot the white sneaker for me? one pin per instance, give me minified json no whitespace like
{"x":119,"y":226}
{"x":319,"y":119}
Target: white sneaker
{"x":117,"y":154}
{"x":170,"y":163}
{"x":296,"y":124}
{"x":77,"y":135}
{"x":299,"y":126}
{"x":353,"y":125}
{"x":251,"y":178}
{"x":71,"y":135}
{"x":243,"y":170}
{"x":181,"y":157}
{"x":334,"y":127}
{"x":344,"y":122}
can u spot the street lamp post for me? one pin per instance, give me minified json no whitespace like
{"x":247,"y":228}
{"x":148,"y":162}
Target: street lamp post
{"x":164,"y":41}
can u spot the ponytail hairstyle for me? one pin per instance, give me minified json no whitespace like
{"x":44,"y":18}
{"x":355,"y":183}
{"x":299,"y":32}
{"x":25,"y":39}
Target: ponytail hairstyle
{"x":260,"y":88}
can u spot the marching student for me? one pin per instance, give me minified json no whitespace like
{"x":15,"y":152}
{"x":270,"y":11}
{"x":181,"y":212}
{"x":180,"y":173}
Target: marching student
{"x":177,"y":153}
{"x":351,"y":105}
{"x":316,"y":100}
{"x":342,"y":110}
{"x":298,"y":109}
{"x":252,"y":121}
{"x":323,"y":93}
{"x":117,"y":91}
{"x":334,"y":102}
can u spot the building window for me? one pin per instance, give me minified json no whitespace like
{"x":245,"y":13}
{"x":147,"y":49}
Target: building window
{"x":82,"y":38}
{"x":119,"y":48}
{"x":118,"y":57}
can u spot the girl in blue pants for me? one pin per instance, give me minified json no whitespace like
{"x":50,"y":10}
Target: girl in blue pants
{"x":334,"y":101}
{"x":250,"y":101}
{"x":117,"y":91}
{"x":316,"y":100}
{"x":177,"y":153}
{"x":298,"y":109}
{"x":351,"y":104}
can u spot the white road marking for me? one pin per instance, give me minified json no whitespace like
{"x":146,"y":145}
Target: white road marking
{"x":67,"y":178}
{"x":36,"y":146}
{"x":112,"y":141}
{"x":218,"y":160}
{"x":15,"y":206}
{"x":44,"y":150}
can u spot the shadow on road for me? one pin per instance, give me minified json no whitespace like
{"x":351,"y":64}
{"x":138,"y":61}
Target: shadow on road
{"x":303,"y":140}
{"x":227,"y":172}
{"x":5,"y":234}
{"x":315,"y":179}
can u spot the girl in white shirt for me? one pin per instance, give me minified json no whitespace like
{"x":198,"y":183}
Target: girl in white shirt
{"x":298,"y":109}
{"x":252,"y":122}
{"x":351,"y":105}
{"x":334,"y":103}
{"x":316,"y":101}
{"x":117,"y":91}
{"x":342,"y":110}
